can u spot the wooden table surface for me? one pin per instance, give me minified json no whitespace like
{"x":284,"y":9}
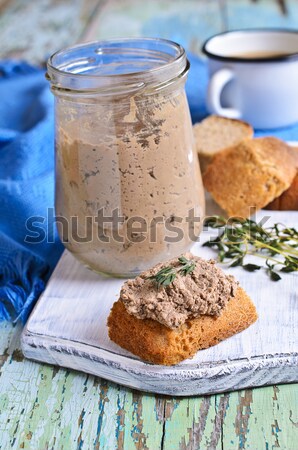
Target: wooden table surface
{"x":45,"y":407}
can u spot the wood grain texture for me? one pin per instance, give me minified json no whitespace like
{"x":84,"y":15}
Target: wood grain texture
{"x":34,"y":30}
{"x":189,"y":22}
{"x":46,"y":407}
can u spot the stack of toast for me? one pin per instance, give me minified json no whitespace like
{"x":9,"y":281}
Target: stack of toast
{"x":243,"y":173}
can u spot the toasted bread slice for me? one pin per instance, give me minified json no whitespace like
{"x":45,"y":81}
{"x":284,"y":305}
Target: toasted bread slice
{"x":288,"y":200}
{"x":251,"y":174}
{"x":155,"y":343}
{"x":215,"y":134}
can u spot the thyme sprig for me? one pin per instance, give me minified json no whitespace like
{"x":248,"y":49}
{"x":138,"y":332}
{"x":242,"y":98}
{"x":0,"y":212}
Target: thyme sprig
{"x":165,"y":276}
{"x":278,"y":245}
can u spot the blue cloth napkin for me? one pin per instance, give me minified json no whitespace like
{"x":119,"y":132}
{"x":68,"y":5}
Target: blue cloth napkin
{"x":27,"y":179}
{"x":26,"y":187}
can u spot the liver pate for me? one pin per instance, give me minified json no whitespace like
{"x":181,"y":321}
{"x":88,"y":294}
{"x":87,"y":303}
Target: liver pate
{"x":206,"y":290}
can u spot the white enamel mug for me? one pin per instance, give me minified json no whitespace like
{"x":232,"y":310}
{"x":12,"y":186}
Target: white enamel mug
{"x":262,"y":90}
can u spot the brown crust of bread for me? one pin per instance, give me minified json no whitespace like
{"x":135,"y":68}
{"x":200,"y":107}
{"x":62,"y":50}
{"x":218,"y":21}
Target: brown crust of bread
{"x":288,"y":200}
{"x":155,"y":343}
{"x":218,"y":127}
{"x":250,"y":174}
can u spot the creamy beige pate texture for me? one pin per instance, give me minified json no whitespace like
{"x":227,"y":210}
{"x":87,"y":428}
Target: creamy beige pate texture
{"x":206,"y":290}
{"x":136,"y":155}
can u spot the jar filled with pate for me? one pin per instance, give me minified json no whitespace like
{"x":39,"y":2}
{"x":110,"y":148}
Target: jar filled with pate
{"x":128,"y":185}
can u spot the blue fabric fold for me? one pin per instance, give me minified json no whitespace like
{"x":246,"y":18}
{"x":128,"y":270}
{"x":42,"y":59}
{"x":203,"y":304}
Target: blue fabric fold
{"x":22,"y":279}
{"x":27,"y":178}
{"x":26,"y":187}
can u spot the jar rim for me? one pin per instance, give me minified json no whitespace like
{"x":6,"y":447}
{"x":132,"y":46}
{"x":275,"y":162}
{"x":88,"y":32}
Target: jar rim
{"x":71,"y":68}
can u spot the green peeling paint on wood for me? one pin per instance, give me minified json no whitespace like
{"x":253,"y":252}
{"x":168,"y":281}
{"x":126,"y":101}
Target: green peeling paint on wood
{"x":45,"y":407}
{"x":262,"y":419}
{"x":33,"y":30}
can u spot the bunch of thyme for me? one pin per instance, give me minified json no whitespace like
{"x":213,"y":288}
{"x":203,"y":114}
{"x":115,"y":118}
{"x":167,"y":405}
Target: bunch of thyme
{"x":165,"y":276}
{"x":238,"y":238}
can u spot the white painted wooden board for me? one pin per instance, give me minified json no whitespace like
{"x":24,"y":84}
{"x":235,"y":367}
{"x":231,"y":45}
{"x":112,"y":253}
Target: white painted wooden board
{"x":68,"y":328}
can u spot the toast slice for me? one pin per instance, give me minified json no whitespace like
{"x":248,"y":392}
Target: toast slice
{"x":250,"y":175}
{"x":158,"y":344}
{"x":215,"y":134}
{"x":288,"y":200}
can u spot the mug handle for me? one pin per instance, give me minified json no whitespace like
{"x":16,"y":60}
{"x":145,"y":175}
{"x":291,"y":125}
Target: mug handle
{"x":216,"y":85}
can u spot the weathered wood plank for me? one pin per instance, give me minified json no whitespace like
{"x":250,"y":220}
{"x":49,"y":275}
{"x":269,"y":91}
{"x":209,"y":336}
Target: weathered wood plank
{"x":262,"y":418}
{"x":7,"y":335}
{"x":251,"y":419}
{"x":44,"y":407}
{"x":41,"y":407}
{"x":189,"y":22}
{"x":34,"y":30}
{"x":190,"y":425}
{"x":265,"y":13}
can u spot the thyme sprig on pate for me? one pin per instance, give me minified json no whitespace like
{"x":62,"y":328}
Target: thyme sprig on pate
{"x":278,"y":245}
{"x":165,"y":276}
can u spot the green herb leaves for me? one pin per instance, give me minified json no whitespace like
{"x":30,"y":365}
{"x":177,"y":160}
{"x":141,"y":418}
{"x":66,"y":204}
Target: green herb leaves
{"x":251,"y":267}
{"x":167,"y":275}
{"x":187,"y":266}
{"x":278,"y":245}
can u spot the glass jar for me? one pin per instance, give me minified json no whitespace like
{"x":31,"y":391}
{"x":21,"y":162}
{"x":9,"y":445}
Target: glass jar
{"x":128,"y":185}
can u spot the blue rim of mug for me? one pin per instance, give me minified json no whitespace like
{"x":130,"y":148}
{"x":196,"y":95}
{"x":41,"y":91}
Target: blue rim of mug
{"x":282,"y":58}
